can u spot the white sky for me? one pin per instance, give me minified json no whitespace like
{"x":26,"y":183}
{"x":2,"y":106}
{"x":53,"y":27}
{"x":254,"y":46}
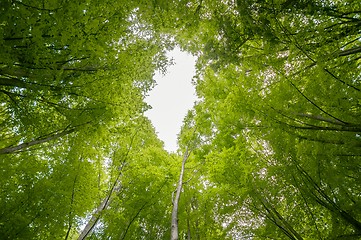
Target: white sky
{"x":173,"y":96}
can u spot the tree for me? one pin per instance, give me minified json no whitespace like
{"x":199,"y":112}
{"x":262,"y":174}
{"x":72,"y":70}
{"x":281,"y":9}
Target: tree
{"x":73,"y":78}
{"x":278,"y":82}
{"x":175,"y":199}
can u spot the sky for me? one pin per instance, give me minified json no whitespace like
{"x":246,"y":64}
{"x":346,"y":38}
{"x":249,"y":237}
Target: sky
{"x":171,"y":99}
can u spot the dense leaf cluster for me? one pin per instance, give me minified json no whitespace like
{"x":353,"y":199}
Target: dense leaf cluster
{"x":279,"y":116}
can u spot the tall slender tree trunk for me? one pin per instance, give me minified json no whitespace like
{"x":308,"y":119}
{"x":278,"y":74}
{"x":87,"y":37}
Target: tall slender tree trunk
{"x":174,"y":225}
{"x":102,"y":206}
{"x":95,"y":217}
{"x":116,"y":187}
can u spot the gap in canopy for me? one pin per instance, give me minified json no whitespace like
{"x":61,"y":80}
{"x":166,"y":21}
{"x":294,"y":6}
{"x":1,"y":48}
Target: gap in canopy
{"x":172,"y":97}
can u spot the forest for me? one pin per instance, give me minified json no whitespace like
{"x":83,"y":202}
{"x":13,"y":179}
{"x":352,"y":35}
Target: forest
{"x":271,"y":150}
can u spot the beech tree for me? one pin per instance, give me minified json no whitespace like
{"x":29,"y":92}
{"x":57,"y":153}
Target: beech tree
{"x":275,"y":133}
{"x":176,"y":198}
{"x":73,"y":79}
{"x":277,"y":83}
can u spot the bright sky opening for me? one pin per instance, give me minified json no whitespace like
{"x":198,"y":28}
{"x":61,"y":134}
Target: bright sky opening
{"x":173,"y":96}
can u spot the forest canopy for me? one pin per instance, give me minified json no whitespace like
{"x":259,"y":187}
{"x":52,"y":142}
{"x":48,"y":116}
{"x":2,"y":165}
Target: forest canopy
{"x":271,"y":150}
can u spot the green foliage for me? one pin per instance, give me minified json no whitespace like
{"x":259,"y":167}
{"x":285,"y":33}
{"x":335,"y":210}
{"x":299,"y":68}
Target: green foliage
{"x":72,"y":82}
{"x":275,"y":136}
{"x":279,"y":86}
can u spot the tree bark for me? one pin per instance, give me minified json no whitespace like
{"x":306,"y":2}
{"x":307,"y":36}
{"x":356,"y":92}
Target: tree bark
{"x":95,"y":217}
{"x":116,"y":187}
{"x":13,"y":149}
{"x":321,"y":118}
{"x":349,"y":51}
{"x":174,"y":225}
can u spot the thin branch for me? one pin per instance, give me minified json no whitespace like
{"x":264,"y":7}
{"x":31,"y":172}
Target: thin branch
{"x":141,"y":208}
{"x":37,"y":8}
{"x":71,"y":204}
{"x":115,"y":187}
{"x":314,"y":104}
{"x":288,"y":35}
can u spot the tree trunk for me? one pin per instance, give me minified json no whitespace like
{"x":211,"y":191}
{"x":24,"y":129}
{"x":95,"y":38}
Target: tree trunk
{"x":174,"y":226}
{"x":102,"y":206}
{"x":188,"y":229}
{"x":349,"y":51}
{"x":13,"y":149}
{"x":95,"y":217}
{"x":321,"y":118}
